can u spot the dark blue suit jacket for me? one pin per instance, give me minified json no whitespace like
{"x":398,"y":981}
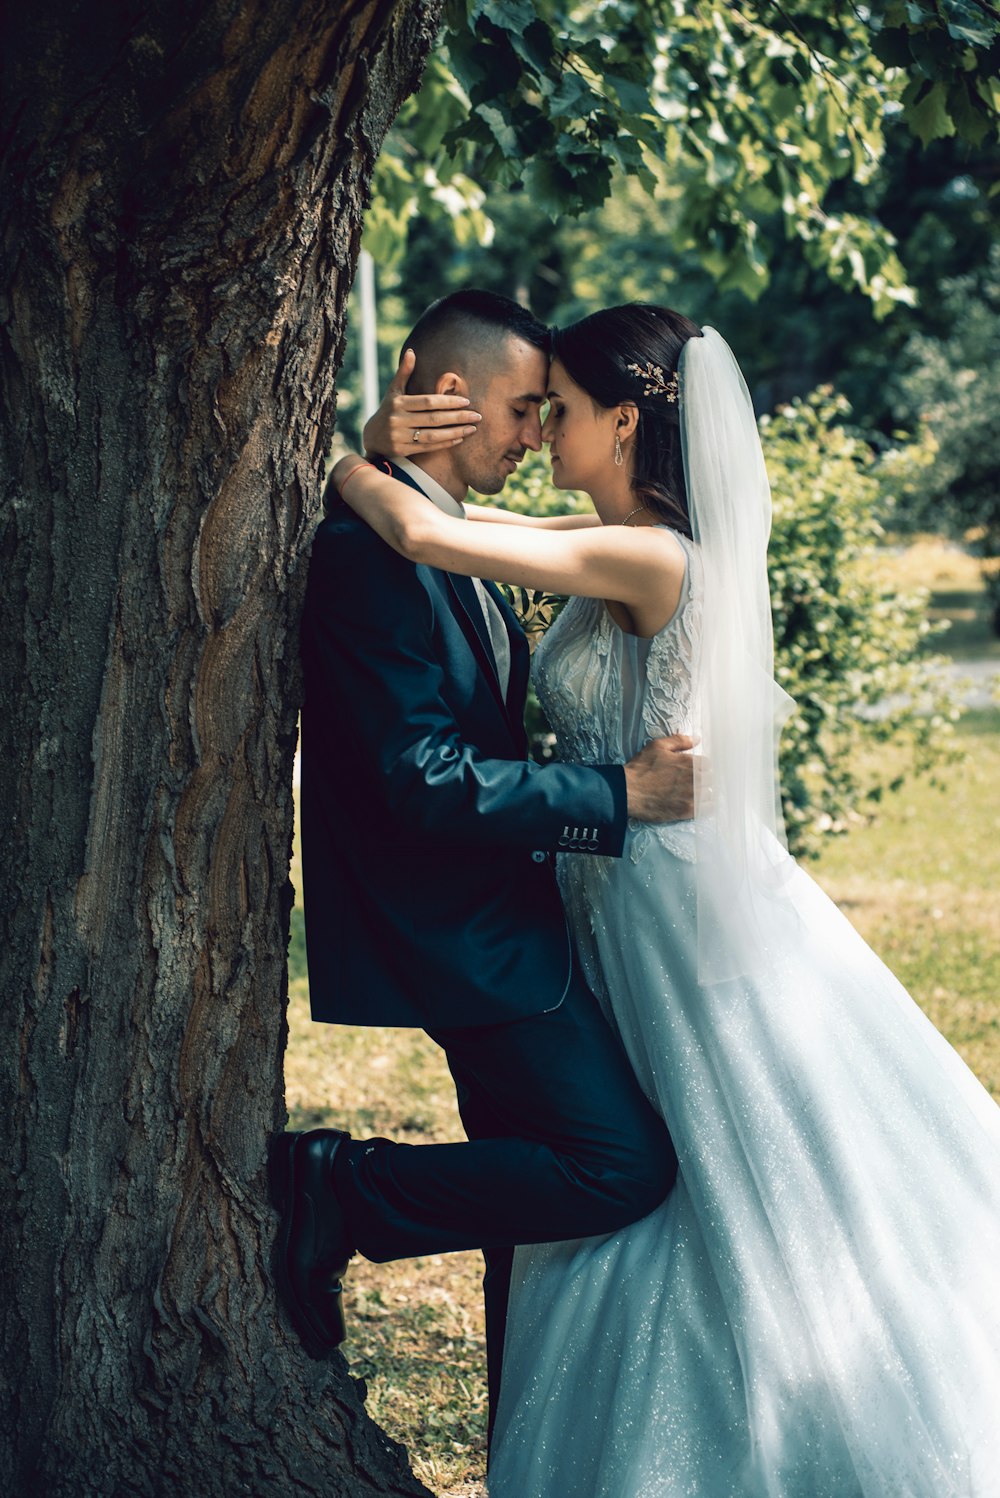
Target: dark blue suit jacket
{"x":430,"y":895}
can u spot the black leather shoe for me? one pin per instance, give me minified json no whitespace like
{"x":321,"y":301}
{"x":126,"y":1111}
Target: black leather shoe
{"x":312,"y":1248}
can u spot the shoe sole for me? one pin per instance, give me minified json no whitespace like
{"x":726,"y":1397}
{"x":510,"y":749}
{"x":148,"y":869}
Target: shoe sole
{"x":281,"y":1177}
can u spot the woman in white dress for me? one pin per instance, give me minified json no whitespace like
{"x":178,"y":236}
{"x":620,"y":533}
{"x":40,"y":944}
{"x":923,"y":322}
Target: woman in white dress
{"x":815,"y":1310}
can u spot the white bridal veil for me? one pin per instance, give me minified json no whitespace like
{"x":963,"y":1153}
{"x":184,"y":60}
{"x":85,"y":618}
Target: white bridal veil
{"x":741,"y":856}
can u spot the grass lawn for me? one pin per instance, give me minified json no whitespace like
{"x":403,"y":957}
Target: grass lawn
{"x":956,"y":584}
{"x":923,"y":887}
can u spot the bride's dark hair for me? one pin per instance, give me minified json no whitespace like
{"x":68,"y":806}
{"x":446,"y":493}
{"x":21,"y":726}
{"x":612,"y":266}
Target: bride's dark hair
{"x":596,"y":353}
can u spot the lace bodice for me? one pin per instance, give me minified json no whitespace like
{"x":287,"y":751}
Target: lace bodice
{"x":606,"y":693}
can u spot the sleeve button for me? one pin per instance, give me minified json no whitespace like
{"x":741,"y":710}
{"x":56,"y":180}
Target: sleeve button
{"x":538,"y":857}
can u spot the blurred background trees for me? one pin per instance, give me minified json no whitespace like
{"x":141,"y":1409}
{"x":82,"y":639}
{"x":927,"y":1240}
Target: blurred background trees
{"x":794,"y":328}
{"x":804,"y":157}
{"x":950,"y":382}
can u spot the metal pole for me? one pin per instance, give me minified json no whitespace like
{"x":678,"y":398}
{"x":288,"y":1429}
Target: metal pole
{"x":369,"y":336}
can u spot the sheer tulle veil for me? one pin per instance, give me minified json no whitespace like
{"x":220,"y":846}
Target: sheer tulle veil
{"x":742,"y":860}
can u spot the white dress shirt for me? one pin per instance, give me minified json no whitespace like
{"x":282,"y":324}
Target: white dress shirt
{"x":446,"y":502}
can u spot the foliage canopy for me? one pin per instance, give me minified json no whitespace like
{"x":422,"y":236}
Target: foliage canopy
{"x":754,"y":110}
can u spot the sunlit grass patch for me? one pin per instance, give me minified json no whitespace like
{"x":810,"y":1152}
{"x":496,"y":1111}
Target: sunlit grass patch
{"x":928,"y":561}
{"x":957,"y":593}
{"x":416,"y":1327}
{"x":417,"y":1338}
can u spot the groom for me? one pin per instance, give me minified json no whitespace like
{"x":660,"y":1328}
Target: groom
{"x":430,"y":895}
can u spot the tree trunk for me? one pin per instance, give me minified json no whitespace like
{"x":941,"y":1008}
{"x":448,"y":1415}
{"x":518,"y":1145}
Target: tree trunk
{"x":183,"y":186}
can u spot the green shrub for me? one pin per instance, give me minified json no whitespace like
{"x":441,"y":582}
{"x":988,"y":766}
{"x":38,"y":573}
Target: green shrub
{"x":847,"y":647}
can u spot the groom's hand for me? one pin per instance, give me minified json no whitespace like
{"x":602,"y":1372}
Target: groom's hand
{"x":660,"y":780}
{"x":404,"y":426}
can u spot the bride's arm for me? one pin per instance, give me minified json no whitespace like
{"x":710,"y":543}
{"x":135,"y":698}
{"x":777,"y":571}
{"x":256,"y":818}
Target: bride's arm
{"x":597,"y":562}
{"x":537,"y":522}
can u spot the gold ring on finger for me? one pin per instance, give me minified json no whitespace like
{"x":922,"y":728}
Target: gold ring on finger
{"x":416,"y":434}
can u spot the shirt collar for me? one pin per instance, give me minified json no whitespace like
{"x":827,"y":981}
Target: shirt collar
{"x":435,"y":492}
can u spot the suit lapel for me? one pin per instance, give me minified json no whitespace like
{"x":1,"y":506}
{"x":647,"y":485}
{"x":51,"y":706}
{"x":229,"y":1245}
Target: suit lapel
{"x":468,"y":610}
{"x":475,"y":628}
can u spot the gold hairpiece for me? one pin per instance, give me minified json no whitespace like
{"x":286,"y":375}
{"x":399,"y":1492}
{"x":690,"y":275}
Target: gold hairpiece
{"x":655,"y":383}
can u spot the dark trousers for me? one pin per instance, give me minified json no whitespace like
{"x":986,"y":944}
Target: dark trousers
{"x":562,"y":1144}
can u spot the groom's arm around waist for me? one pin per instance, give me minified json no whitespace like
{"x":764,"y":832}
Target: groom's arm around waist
{"x":372,"y":672}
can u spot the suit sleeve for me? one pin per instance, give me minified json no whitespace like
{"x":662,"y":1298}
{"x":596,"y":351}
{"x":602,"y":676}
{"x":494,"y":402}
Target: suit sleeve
{"x":369,"y":656}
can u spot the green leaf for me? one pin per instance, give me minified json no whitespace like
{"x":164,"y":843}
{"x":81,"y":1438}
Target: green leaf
{"x":548,"y":183}
{"x":500,"y":128}
{"x":920,"y":14}
{"x":633,"y":97}
{"x":971,"y":119}
{"x":574,"y":96}
{"x":929,"y":117}
{"x":971,"y":24}
{"x":536,"y":46}
{"x":506,"y":15}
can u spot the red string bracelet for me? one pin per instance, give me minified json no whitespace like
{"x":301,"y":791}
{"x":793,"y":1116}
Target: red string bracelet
{"x":345,"y":481}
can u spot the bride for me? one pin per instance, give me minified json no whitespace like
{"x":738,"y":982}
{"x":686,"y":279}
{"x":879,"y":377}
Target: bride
{"x":814,"y":1312}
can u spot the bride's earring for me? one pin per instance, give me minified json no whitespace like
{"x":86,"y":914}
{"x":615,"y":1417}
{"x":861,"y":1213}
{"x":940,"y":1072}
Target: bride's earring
{"x":619,"y":460}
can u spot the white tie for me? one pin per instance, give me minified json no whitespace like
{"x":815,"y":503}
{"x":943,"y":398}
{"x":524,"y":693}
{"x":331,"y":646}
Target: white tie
{"x":498,"y":635}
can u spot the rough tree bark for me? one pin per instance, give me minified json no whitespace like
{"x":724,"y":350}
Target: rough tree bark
{"x":183,"y":184}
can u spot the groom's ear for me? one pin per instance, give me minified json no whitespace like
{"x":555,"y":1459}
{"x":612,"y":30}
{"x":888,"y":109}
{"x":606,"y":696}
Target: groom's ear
{"x":451,"y":383}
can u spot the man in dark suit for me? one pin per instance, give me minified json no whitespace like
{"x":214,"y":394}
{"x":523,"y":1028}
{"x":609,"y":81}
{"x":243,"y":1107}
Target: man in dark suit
{"x":430,"y":897}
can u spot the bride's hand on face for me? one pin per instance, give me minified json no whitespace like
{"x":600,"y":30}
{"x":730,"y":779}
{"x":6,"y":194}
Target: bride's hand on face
{"x":404,"y":426}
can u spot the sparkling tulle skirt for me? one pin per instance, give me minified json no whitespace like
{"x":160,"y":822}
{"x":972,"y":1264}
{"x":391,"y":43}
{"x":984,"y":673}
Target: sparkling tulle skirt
{"x":815,"y":1310}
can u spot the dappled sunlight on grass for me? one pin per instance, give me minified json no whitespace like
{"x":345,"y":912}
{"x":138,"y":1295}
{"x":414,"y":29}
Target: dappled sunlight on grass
{"x":416,"y":1327}
{"x":931,"y":562}
{"x":958,"y":594}
{"x":417,"y":1338}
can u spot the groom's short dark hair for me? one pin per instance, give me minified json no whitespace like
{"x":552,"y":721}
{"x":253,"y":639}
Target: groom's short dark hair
{"x":467,"y":326}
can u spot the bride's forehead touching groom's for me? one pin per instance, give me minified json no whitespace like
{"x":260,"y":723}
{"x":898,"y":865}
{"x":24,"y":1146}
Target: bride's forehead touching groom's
{"x":504,"y":377}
